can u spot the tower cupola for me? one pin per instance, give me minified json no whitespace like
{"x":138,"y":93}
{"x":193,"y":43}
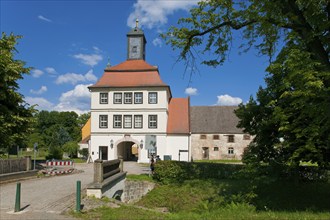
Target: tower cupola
{"x":136,"y":43}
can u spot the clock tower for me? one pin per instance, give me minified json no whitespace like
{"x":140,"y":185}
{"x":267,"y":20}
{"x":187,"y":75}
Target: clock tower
{"x":136,"y":42}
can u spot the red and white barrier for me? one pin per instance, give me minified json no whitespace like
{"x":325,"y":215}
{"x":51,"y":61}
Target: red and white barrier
{"x":57,"y":172}
{"x":59,"y":163}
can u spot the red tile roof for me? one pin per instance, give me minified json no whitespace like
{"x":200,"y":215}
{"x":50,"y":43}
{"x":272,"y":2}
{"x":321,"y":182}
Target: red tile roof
{"x":135,"y":65}
{"x":131,"y":73}
{"x":178,"y":116}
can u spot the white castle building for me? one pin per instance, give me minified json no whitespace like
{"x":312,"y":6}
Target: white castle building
{"x":134,"y":116}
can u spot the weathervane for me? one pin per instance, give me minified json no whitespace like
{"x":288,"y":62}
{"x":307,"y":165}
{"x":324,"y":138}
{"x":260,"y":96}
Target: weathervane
{"x":108,"y":64}
{"x":136,"y":23}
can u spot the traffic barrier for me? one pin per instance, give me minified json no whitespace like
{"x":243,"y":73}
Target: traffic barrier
{"x":56,"y":167}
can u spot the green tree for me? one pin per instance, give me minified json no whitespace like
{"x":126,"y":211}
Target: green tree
{"x":16,"y":116}
{"x":83,"y":118}
{"x":291,"y":116}
{"x":71,"y":148}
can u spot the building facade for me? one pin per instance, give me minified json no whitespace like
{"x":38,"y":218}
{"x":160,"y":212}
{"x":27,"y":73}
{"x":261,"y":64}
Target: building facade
{"x":214,"y":135}
{"x":134,"y":116}
{"x":133,"y":112}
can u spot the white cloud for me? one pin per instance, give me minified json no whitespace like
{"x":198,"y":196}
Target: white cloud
{"x":40,"y":91}
{"x":77,"y":100}
{"x":44,"y":18}
{"x":97,"y":50}
{"x":191,"y":91}
{"x":228,"y":100}
{"x":74,"y":78}
{"x":154,"y":13}
{"x":89,"y":59}
{"x":157,"y":42}
{"x":36,"y":73}
{"x":42,"y":103}
{"x":50,"y":70}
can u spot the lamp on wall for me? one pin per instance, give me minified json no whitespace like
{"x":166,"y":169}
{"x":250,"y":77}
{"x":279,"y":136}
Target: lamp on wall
{"x":141,"y":144}
{"x":111,"y":143}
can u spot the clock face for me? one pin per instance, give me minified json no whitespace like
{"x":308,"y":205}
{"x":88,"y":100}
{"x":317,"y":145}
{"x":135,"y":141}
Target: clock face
{"x":135,"y":48}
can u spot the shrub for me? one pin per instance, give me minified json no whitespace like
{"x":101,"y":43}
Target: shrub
{"x":179,"y":171}
{"x":55,"y":153}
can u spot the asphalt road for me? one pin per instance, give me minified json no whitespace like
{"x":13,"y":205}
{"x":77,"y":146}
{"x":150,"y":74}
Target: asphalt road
{"x":49,"y":197}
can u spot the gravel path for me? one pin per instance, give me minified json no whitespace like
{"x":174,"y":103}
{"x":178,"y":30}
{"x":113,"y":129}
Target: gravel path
{"x":49,"y":197}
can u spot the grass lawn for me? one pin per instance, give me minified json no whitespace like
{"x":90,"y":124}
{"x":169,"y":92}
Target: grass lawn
{"x":225,"y":199}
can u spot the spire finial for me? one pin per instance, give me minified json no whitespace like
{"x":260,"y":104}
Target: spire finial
{"x":108,"y":64}
{"x":136,"y":23}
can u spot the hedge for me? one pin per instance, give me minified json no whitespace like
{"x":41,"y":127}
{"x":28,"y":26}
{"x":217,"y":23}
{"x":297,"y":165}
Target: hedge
{"x":179,"y":171}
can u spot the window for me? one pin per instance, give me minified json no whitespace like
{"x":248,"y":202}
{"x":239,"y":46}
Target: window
{"x":103,"y":98}
{"x":203,"y":136}
{"x":137,"y":121}
{"x":117,"y":98}
{"x":138,"y":98}
{"x":152,"y":121}
{"x":103,"y":121}
{"x":216,"y":148}
{"x":216,"y":137}
{"x":117,"y":121}
{"x":246,"y":137}
{"x":230,"y":150}
{"x":134,"y":49}
{"x":152,"y":97}
{"x":128,"y":98}
{"x":231,"y":138}
{"x":127,"y":121}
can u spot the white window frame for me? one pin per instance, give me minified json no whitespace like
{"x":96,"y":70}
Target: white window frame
{"x":117,"y":121}
{"x":103,"y":121}
{"x":127,"y":121}
{"x":137,"y":123}
{"x":136,"y":98}
{"x":128,"y":98}
{"x":231,"y":151}
{"x":152,"y":121}
{"x":117,"y":100}
{"x":151,"y":99}
{"x":104,"y":98}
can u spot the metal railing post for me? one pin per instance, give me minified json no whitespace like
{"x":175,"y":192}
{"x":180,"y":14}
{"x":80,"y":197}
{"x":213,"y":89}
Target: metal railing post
{"x":78,"y":196}
{"x":18,"y":197}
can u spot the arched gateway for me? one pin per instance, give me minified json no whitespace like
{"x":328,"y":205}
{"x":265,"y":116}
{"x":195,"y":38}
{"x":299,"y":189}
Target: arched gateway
{"x":127,"y":148}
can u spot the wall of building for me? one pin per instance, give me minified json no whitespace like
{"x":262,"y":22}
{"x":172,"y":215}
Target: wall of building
{"x":175,"y":143}
{"x":217,"y":149}
{"x":86,"y":129}
{"x":162,"y":98}
{"x":143,"y":156}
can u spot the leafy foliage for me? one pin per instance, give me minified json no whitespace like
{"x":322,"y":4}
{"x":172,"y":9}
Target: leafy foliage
{"x":71,"y":148}
{"x":15,"y":115}
{"x":290,"y":118}
{"x":179,"y":171}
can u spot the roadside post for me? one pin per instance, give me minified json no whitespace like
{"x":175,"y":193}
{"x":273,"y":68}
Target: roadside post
{"x":78,"y":196}
{"x":18,"y":197}
{"x":35,"y":151}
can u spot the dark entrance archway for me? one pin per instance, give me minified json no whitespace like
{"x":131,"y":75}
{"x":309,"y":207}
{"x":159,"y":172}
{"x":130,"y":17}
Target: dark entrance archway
{"x":128,"y":150}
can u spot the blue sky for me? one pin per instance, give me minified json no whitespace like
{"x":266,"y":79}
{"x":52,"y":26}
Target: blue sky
{"x":68,"y":44}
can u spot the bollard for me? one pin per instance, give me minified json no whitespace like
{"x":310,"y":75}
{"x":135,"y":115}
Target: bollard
{"x":121,"y":165}
{"x":18,"y":197}
{"x":78,"y":196}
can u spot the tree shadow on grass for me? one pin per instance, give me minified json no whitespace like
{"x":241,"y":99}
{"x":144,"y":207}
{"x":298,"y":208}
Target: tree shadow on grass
{"x":285,"y":195}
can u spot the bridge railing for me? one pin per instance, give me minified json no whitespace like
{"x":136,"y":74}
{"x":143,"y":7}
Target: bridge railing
{"x":109,"y":179}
